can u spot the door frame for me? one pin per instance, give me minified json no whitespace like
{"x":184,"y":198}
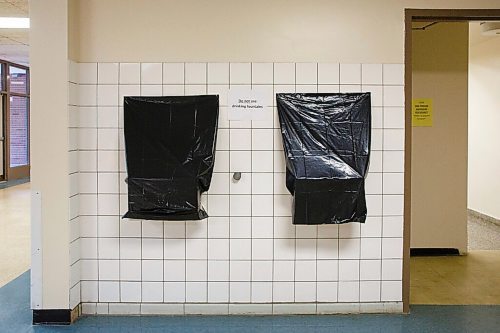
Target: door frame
{"x":423,"y":15}
{"x":24,"y":170}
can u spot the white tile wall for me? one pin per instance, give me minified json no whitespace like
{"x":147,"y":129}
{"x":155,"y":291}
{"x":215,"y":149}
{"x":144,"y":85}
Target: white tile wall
{"x":247,"y":253}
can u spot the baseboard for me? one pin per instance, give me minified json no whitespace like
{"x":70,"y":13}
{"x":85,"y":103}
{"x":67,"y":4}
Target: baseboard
{"x":263,"y":309}
{"x":52,"y":317}
{"x":433,"y":252}
{"x":482,"y":217}
{"x":56,"y":316}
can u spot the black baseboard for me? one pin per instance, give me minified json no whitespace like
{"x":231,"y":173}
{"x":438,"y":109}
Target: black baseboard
{"x":433,"y":252}
{"x":52,"y":317}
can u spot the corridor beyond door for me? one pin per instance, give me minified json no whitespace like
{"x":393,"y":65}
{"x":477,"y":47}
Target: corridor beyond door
{"x":14,"y":232}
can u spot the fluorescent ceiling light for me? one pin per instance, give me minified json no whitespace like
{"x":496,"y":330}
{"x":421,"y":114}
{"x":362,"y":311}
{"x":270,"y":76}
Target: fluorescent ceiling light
{"x":14,"y":23}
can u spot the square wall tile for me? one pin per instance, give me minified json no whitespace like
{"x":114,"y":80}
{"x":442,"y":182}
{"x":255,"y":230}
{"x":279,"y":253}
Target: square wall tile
{"x":284,"y":73}
{"x":394,"y":96}
{"x":350,"y":73}
{"x":240,"y":139}
{"x":392,"y":269}
{"x":262,"y":249}
{"x":109,"y":291}
{"x":283,"y":292}
{"x":109,"y":270}
{"x":174,"y":292}
{"x":371,"y":74}
{"x":152,"y":270}
{"x":174,"y":270}
{"x":348,"y":291}
{"x":239,"y":292}
{"x":394,"y":117}
{"x":196,"y":292}
{"x":306,"y":73}
{"x":107,"y":73}
{"x":240,"y":249}
{"x":241,"y":186}
{"x":328,"y":73}
{"x":130,"y":270}
{"x":391,"y":291}
{"x":195,"y":73}
{"x":327,"y":292}
{"x":240,"y":270}
{"x":218,"y":205}
{"x":262,"y":139}
{"x":131,"y":291}
{"x":240,"y":73}
{"x":262,"y":161}
{"x":87,"y":73}
{"x":262,"y":292}
{"x":240,"y":161}
{"x":262,"y":73}
{"x":369,"y":291}
{"x":327,"y":270}
{"x":151,"y":73}
{"x":130,"y":73}
{"x":218,"y":292}
{"x":262,"y":270}
{"x":218,"y":270}
{"x":218,"y":73}
{"x":173,"y":73}
{"x":394,"y":74}
{"x":152,"y":292}
{"x":262,"y":183}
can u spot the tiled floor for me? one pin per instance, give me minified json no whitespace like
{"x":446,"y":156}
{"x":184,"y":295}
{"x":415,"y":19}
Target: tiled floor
{"x":471,"y":279}
{"x":15,"y":317}
{"x":14,"y":232}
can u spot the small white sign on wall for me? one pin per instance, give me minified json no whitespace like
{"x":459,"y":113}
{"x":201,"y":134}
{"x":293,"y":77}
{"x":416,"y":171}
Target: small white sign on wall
{"x":246,"y":104}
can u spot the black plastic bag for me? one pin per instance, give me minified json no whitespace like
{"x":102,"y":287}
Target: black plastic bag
{"x":170,"y":153}
{"x":326,"y":138}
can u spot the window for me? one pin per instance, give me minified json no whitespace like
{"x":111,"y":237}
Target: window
{"x":19,"y":139}
{"x":18,"y":80}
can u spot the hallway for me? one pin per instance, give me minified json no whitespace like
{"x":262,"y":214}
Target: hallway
{"x":14,"y":232}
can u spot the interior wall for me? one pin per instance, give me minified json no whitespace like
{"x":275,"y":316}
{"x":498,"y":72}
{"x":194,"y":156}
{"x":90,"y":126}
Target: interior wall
{"x":439,"y":153}
{"x":49,"y":151}
{"x":348,"y":31}
{"x":359,"y":31}
{"x":247,"y":257}
{"x":484,"y":117}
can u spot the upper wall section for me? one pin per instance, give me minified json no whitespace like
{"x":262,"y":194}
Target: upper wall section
{"x":356,"y":31}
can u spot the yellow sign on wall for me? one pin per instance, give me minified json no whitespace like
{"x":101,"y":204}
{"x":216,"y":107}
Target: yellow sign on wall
{"x":421,"y":111}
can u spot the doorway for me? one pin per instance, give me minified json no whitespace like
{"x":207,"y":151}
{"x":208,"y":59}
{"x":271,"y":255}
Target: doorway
{"x":471,"y":274}
{"x":14,"y":121}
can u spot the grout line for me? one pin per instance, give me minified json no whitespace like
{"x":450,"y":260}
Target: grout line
{"x":382,"y":195}
{"x":97,"y":188}
{"x":251,"y":195}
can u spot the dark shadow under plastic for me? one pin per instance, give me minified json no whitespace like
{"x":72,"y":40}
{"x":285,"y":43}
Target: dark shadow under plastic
{"x":326,"y":138}
{"x":170,"y":153}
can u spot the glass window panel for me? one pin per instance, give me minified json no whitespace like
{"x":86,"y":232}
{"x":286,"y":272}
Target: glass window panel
{"x":18,"y":80}
{"x":19,"y":139}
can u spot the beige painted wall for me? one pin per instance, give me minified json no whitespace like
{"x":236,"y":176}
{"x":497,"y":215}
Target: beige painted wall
{"x":439,"y":156}
{"x":484,"y":117}
{"x":348,"y":31}
{"x":49,"y":143}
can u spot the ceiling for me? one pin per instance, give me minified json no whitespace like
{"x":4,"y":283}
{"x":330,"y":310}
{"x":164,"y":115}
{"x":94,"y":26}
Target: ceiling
{"x":14,"y":43}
